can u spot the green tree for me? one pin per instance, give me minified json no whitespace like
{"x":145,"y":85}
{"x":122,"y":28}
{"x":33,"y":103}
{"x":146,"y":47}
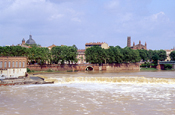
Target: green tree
{"x":64,"y":53}
{"x":172,"y":55}
{"x":150,"y":54}
{"x":130,"y":55}
{"x":95,"y":55}
{"x":143,"y":54}
{"x":161,"y":54}
{"x":155,"y":58}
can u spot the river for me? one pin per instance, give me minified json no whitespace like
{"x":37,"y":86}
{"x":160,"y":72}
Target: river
{"x":124,"y":93}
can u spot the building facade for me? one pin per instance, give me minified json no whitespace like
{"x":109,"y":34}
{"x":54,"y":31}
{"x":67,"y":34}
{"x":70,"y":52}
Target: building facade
{"x":138,"y":46}
{"x":101,"y":44}
{"x":81,"y":56}
{"x":13,"y":67}
{"x":168,"y":52}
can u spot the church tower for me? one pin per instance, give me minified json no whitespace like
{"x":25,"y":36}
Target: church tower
{"x":23,"y":41}
{"x":128,"y":41}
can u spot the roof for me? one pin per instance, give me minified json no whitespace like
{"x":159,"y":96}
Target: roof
{"x":30,"y":40}
{"x":81,"y":50}
{"x":95,"y":43}
{"x":53,"y":45}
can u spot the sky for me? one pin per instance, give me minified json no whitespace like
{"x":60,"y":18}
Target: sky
{"x":69,"y":22}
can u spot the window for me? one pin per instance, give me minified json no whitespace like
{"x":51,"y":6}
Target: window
{"x":19,"y":64}
{"x":9,"y":63}
{"x":16,"y":64}
{"x":13,"y":64}
{"x":23,"y":64}
{"x":5,"y":64}
{"x":1,"y":64}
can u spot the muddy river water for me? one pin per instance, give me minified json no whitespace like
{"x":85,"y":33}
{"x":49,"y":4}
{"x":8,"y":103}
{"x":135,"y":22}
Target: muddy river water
{"x":125,"y":93}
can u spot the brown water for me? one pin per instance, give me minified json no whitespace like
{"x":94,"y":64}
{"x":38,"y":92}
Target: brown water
{"x":138,"y":93}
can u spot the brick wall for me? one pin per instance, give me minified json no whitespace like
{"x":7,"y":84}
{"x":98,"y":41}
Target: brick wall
{"x":82,"y":67}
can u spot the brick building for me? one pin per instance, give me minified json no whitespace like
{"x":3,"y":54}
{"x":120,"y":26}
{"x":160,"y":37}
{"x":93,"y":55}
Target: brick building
{"x":11,"y":67}
{"x":138,"y":46}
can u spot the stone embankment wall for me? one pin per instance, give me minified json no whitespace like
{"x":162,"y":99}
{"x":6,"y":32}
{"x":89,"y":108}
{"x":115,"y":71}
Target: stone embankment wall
{"x":123,"y":66}
{"x":82,"y":67}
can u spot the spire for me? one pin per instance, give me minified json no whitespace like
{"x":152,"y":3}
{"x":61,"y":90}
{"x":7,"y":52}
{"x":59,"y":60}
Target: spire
{"x":30,"y":36}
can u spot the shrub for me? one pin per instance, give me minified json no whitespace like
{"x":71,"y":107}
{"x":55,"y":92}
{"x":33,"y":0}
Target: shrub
{"x":167,"y":66}
{"x":146,"y":64}
{"x":49,"y":70}
{"x":28,"y":70}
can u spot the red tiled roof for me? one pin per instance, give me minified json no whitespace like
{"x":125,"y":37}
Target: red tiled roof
{"x":81,"y":50}
{"x":94,"y":43}
{"x":51,"y":46}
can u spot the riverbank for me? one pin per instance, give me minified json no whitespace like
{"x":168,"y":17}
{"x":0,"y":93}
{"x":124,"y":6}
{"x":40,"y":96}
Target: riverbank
{"x":25,"y":81}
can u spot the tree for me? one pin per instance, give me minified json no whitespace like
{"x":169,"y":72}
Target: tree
{"x":95,"y":55}
{"x":162,"y":55}
{"x":130,"y":55}
{"x":64,"y":53}
{"x":114,"y":55}
{"x":172,"y":55}
{"x":155,"y":58}
{"x":150,"y":55}
{"x":143,"y":54}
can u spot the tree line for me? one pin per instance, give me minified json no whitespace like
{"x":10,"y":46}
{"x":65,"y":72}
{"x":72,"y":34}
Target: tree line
{"x":117,"y":54}
{"x":41,"y":55}
{"x":94,"y":55}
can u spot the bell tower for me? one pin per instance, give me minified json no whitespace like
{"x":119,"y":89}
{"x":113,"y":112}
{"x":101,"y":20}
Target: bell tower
{"x":128,"y":41}
{"x":23,"y":41}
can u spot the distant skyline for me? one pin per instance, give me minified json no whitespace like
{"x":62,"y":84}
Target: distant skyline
{"x":68,"y":22}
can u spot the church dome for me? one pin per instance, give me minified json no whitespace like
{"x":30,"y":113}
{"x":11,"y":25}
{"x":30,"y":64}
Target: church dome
{"x":30,"y":40}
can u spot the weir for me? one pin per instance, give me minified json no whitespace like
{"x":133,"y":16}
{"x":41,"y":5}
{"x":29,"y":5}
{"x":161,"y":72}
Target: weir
{"x":122,"y":80}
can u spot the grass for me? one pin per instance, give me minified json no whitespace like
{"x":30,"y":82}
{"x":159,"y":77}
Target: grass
{"x":148,"y":69}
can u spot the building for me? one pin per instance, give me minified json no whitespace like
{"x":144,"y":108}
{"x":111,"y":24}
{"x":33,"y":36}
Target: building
{"x":50,"y":47}
{"x":138,"y":46}
{"x":13,"y":67}
{"x":81,"y":56}
{"x":81,"y":52}
{"x":30,"y":41}
{"x":168,"y":52}
{"x":24,"y":44}
{"x":101,"y":44}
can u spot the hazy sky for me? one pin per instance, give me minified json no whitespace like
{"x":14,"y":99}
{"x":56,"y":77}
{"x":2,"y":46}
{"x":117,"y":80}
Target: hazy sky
{"x":68,"y":22}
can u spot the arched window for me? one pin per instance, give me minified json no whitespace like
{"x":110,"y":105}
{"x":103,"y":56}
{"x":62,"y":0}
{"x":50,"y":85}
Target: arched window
{"x":13,"y":64}
{"x":5,"y":64}
{"x":9,"y":63}
{"x":23,"y":64}
{"x":19,"y":64}
{"x":1,"y":64}
{"x":16,"y":64}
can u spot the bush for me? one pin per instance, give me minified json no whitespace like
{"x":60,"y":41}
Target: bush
{"x":28,"y":70}
{"x":49,"y":70}
{"x":167,"y":66}
{"x":146,"y":64}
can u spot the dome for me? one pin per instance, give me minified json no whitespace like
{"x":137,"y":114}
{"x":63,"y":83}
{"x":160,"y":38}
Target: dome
{"x":30,"y":40}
